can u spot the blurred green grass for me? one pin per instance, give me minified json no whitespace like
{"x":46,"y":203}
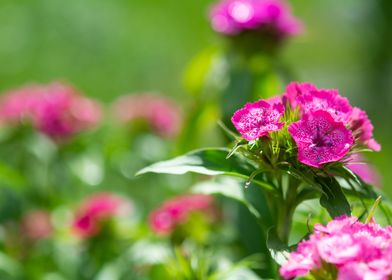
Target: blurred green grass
{"x":109,"y":48}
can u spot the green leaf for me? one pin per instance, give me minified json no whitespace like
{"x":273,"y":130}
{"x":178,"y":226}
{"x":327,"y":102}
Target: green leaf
{"x":333,"y":198}
{"x":211,"y":161}
{"x":228,"y":188}
{"x":278,"y":249}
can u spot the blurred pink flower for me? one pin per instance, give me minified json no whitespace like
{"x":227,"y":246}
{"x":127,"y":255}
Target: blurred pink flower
{"x":320,"y":139}
{"x":162,"y":114}
{"x":301,"y":261}
{"x":357,"y":164}
{"x":36,"y":225}
{"x":55,"y":109}
{"x":95,"y":210}
{"x":176,"y":211}
{"x":356,"y":250}
{"x":232,"y":17}
{"x":258,"y":119}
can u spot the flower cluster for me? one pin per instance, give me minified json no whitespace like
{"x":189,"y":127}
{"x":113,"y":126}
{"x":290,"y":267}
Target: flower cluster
{"x":232,"y":17}
{"x":323,"y":124}
{"x":160,"y":113}
{"x":57,"y":110}
{"x":177,"y":211}
{"x":95,"y":210}
{"x":344,"y":247}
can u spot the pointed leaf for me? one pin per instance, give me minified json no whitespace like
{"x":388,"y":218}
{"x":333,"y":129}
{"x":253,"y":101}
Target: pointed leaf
{"x":228,"y":188}
{"x":211,"y":161}
{"x":333,"y":198}
{"x":278,"y":249}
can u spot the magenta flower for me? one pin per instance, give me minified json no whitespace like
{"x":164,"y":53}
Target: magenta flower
{"x":95,"y":210}
{"x":232,"y":17}
{"x":355,"y":250}
{"x":356,"y":163}
{"x":301,"y":261}
{"x":177,"y":211}
{"x":57,"y":110}
{"x":162,"y":114}
{"x":359,"y":271}
{"x":327,"y":100}
{"x":294,"y":90}
{"x":363,"y":129}
{"x":320,"y":139}
{"x":258,"y":119}
{"x":36,"y":225}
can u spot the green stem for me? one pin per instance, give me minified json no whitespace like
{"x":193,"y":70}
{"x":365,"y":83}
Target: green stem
{"x":285,"y":207}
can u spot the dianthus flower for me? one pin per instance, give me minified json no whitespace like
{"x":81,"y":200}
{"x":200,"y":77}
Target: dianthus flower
{"x":176,"y":211}
{"x":320,"y":139}
{"x":295,"y":90}
{"x":309,"y":98}
{"x":323,"y":125}
{"x":363,"y":129}
{"x":232,"y":17}
{"x":354,"y":249}
{"x":57,"y":110}
{"x":258,"y":119}
{"x":162,"y":114}
{"x":95,"y":210}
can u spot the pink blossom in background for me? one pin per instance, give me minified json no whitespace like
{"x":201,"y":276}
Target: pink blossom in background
{"x":363,"y":129}
{"x":258,"y":119}
{"x":176,"y":211}
{"x":320,"y":139}
{"x":356,"y":250}
{"x":95,"y":209}
{"x":357,"y":164}
{"x":57,"y":110}
{"x":162,"y":114}
{"x":231,"y":17}
{"x":36,"y":225}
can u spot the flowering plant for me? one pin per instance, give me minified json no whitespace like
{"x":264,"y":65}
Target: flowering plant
{"x":296,"y":147}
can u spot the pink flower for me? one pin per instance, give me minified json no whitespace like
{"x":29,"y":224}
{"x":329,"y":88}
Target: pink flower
{"x":302,"y":261}
{"x":356,"y":163}
{"x":355,"y":250}
{"x":176,"y":211}
{"x":162,"y":114}
{"x":55,"y":109}
{"x":258,"y":119}
{"x":338,"y":249}
{"x":309,"y":98}
{"x":232,"y":17}
{"x":337,"y":225}
{"x":294,"y":90}
{"x":95,"y":209}
{"x":327,"y":100}
{"x":320,"y":139}
{"x":359,"y":271}
{"x":36,"y":225}
{"x":363,"y":129}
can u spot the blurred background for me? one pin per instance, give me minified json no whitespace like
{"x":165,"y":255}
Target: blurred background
{"x":110,"y":48}
{"x":107,"y":49}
